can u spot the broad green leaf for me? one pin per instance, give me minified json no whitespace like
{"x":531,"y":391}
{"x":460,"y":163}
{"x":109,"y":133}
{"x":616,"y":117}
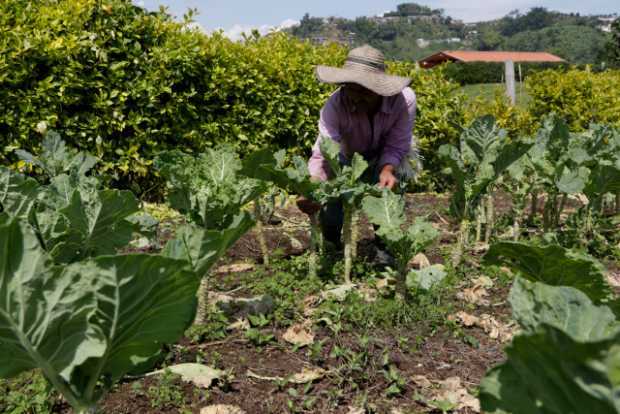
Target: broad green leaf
{"x":55,"y":158}
{"x":565,"y":308}
{"x":201,"y":248}
{"x":98,"y":227}
{"x":481,"y":138}
{"x":421,"y":234}
{"x":44,"y":310}
{"x":143,"y":302}
{"x":358,"y":167}
{"x":387,"y":212}
{"x":573,"y":181}
{"x":331,"y":152}
{"x":18,"y":193}
{"x":264,"y":165}
{"x":427,"y":277}
{"x":553,"y":265}
{"x":551,"y":373}
{"x":604,"y":178}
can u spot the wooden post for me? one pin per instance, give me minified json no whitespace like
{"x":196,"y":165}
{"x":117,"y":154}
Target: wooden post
{"x":510,"y":81}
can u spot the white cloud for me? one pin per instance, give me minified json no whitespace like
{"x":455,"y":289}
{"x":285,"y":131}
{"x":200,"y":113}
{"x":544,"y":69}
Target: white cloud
{"x":236,"y":32}
{"x":139,"y":3}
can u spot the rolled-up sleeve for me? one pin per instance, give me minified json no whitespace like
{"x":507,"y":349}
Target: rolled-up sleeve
{"x":398,"y":140}
{"x":329,"y":128}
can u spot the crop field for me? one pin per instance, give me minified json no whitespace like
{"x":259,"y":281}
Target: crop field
{"x":226,"y":298}
{"x":154,"y":259}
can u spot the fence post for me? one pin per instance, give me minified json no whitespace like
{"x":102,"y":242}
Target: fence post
{"x":510,"y":81}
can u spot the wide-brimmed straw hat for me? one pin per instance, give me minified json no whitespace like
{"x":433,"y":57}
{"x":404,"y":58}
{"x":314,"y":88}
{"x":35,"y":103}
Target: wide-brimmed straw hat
{"x":365,"y":66}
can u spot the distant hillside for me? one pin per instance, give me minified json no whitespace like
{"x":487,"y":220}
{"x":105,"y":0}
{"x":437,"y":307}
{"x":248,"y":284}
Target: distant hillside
{"x":414,"y":31}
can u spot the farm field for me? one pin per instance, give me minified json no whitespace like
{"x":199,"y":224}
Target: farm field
{"x":367,"y":349}
{"x":166,"y":246}
{"x":282,"y":322}
{"x":488,"y":91}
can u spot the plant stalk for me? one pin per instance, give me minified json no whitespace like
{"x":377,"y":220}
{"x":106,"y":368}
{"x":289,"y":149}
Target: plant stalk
{"x":203,"y":302}
{"x":533,"y":207}
{"x":261,"y":232}
{"x":560,"y":208}
{"x":461,"y":243}
{"x":479,"y":223}
{"x":490,"y":219}
{"x":316,"y":245}
{"x":348,"y":242}
{"x":617,"y":203}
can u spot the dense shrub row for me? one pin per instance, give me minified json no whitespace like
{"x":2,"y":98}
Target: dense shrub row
{"x":125,"y":83}
{"x":581,"y":97}
{"x":494,"y":72}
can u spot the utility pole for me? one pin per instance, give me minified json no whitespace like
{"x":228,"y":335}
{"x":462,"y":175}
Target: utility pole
{"x":510,"y":81}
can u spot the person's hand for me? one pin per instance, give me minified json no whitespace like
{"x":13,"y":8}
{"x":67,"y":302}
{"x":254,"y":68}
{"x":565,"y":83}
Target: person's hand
{"x":387,"y":179}
{"x":308,"y":206}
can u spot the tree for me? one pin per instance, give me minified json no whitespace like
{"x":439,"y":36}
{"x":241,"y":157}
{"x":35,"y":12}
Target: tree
{"x":613,"y":46}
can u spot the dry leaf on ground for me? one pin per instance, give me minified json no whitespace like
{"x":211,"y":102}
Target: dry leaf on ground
{"x":356,"y":410}
{"x":483,"y":281}
{"x":421,"y":381}
{"x":338,"y":293}
{"x":239,"y":325}
{"x":467,"y":319}
{"x":235,"y":268}
{"x":489,"y":324}
{"x":475,"y":295}
{"x":299,"y":335}
{"x":420,"y":261}
{"x":451,"y":390}
{"x":310,"y":303}
{"x":305,"y":376}
{"x":198,"y":374}
{"x":221,"y":409}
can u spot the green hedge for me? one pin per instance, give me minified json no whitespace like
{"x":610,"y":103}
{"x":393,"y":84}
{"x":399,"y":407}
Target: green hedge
{"x":581,"y":97}
{"x":125,"y":84}
{"x":492,"y":72}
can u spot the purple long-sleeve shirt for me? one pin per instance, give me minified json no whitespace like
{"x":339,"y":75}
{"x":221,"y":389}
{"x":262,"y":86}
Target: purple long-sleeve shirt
{"x":389,"y":141}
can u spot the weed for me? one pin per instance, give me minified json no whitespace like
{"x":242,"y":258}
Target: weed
{"x":27,"y":393}
{"x":166,"y":392}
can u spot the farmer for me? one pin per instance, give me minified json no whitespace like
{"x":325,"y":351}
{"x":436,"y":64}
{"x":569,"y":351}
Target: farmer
{"x":372,"y":113}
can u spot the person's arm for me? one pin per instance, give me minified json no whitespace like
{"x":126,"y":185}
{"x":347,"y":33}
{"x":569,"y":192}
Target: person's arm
{"x":398,"y":139}
{"x":329,"y":128}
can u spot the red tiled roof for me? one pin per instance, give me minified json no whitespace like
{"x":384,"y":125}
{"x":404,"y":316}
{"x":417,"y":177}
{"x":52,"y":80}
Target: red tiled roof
{"x":478,"y":56}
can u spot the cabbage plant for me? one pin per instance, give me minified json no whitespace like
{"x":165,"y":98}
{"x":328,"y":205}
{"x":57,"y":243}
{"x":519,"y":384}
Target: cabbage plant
{"x":86,"y":324}
{"x":566,"y":358}
{"x":388,"y":212}
{"x":483,"y":154}
{"x":72,"y":214}
{"x":269,"y":166}
{"x":210,"y":192}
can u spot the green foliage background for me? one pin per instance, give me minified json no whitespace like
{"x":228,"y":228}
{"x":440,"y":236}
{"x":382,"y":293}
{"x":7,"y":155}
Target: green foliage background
{"x":125,"y":84}
{"x":580,"y":97}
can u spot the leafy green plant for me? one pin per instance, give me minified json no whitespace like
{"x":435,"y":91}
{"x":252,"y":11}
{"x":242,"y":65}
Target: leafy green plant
{"x":86,"y":324}
{"x":210,"y":192}
{"x":72,"y":214}
{"x":345,"y":186}
{"x":270,"y":167}
{"x":553,"y":265}
{"x":483,"y":155}
{"x":565,"y":360}
{"x":388,"y":212}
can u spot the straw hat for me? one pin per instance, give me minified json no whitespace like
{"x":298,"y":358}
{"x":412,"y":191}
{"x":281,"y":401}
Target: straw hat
{"x":365,"y":66}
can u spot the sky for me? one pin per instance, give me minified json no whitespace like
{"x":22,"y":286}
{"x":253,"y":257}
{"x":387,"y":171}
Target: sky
{"x":237,"y":16}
